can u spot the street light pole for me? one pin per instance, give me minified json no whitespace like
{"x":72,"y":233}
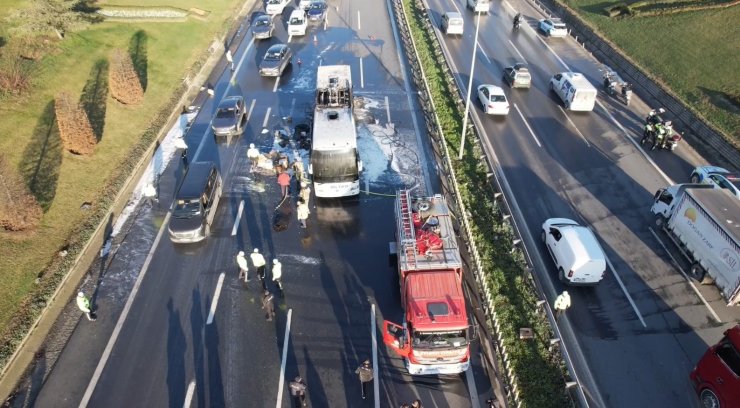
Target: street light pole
{"x":470,"y":86}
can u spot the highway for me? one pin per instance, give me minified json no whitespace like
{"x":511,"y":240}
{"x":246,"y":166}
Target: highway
{"x":635,"y":336}
{"x":176,"y":328}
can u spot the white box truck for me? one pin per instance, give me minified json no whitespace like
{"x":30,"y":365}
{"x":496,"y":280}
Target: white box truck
{"x":704,"y":222}
{"x":574,"y":90}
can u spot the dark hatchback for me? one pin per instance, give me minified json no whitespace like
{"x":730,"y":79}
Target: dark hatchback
{"x":230,"y":117}
{"x":195,"y":203}
{"x":317,"y":10}
{"x":276,"y":60}
{"x":262,"y":27}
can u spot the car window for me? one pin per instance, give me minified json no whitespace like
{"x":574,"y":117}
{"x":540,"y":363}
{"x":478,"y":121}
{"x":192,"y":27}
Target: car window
{"x":556,"y":234}
{"x":498,"y":98}
{"x":262,"y":22}
{"x":558,"y":76}
{"x":484,"y":91}
{"x":296,"y":20}
{"x":273,"y":56}
{"x":456,"y":22}
{"x":729,"y":355}
{"x":226,"y":112}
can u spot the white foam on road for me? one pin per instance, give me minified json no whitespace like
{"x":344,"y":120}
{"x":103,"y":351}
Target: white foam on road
{"x":162,"y":157}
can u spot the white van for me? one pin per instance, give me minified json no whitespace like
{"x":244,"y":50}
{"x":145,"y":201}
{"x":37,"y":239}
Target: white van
{"x":575,"y":250}
{"x":297,"y":23}
{"x":574,"y":90}
{"x":452,"y":23}
{"x":479,"y":5}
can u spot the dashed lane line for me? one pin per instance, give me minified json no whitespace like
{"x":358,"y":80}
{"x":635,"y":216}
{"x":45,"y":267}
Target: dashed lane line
{"x":286,"y":342}
{"x":216,"y":295}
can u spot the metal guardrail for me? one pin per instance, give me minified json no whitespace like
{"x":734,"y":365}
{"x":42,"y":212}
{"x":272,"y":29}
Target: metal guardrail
{"x":435,"y":129}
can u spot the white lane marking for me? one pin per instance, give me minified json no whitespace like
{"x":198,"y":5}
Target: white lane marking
{"x":619,"y":280}
{"x":637,"y":145}
{"x":574,"y":125}
{"x":216,"y":295}
{"x":292,"y":107}
{"x":286,"y":340}
{"x":122,"y":318}
{"x":373,"y":330}
{"x":483,"y":52}
{"x":362,"y":76}
{"x":290,"y":37}
{"x":251,"y":108}
{"x":359,"y":26}
{"x":388,"y":109}
{"x":277,"y":82}
{"x":409,"y":97}
{"x":531,"y":132}
{"x":553,"y":52}
{"x":189,"y":395}
{"x":686,"y":276}
{"x":238,"y":218}
{"x":241,"y":61}
{"x":472,"y":389}
{"x":517,"y":51}
{"x":267,"y":117}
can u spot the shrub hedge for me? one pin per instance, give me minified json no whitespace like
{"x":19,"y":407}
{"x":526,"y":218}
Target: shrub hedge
{"x":539,"y":371}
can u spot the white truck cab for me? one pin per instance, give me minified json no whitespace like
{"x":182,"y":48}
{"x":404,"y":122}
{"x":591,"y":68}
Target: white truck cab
{"x":297,"y":23}
{"x":574,"y":90}
{"x":575,"y":250}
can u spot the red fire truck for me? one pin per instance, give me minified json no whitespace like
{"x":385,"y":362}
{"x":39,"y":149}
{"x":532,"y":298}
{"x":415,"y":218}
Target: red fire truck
{"x":435,"y":333}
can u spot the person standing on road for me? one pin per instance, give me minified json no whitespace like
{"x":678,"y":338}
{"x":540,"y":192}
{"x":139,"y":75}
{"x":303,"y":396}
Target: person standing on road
{"x":416,"y":404}
{"x":277,"y":274}
{"x":253,"y":155}
{"x":268,"y":305}
{"x":283,"y":180}
{"x":302,"y":212}
{"x":305,"y":193}
{"x":259,"y":263}
{"x":83,"y":303}
{"x":230,"y":59}
{"x":365,"y":373}
{"x":298,"y":169}
{"x":562,"y":303}
{"x":298,"y":392}
{"x":241,"y":260}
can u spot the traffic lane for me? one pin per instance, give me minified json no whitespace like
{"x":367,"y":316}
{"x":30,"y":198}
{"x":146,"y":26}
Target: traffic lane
{"x":607,"y":318}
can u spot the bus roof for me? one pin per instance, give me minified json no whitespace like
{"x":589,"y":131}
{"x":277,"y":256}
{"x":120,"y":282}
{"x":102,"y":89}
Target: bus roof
{"x":328,"y":71}
{"x":334,"y":129}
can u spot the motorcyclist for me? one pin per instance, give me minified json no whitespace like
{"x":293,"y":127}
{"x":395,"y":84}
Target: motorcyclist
{"x":659,"y":139}
{"x":626,"y":87}
{"x":517,"y":19}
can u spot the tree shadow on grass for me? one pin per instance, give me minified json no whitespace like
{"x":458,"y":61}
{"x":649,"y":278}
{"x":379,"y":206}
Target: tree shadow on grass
{"x":94,"y":97}
{"x":137,"y":50}
{"x":722,"y":100}
{"x":42,"y":158}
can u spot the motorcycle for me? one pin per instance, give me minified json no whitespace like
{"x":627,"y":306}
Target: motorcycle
{"x":660,"y":132}
{"x":517,"y":24}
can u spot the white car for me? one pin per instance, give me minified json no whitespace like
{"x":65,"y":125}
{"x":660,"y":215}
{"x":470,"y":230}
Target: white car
{"x":493,"y":100}
{"x":553,"y":27}
{"x":274,"y":7}
{"x":297,"y":23}
{"x":718,"y":176}
{"x":575,"y":250}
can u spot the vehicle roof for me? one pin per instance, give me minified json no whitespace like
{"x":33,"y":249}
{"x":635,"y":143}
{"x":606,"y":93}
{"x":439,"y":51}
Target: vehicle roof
{"x":229,"y":101}
{"x":277,"y":47}
{"x":328,"y":71}
{"x":495,"y":90}
{"x":425,"y":288}
{"x":195,"y":180}
{"x":297,"y":13}
{"x":578,"y":80}
{"x":582,"y":243}
{"x":263,"y":17}
{"x":723,"y":205}
{"x":334,"y":134}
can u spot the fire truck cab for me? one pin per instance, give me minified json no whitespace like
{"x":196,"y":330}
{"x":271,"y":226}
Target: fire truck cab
{"x":434,"y":337}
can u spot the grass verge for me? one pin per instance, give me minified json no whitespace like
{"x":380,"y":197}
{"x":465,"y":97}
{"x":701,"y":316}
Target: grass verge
{"x":64,"y":181}
{"x":538,"y":371}
{"x":694,"y":53}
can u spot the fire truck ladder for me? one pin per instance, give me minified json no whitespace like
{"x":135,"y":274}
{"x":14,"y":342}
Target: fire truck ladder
{"x":406,"y":228}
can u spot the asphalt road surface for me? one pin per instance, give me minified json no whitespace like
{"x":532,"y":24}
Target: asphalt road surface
{"x":635,"y":336}
{"x":192,"y":334}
